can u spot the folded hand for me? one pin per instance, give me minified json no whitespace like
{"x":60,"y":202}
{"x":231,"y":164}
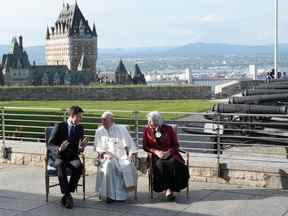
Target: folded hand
{"x":132,"y":157}
{"x":63,"y":146}
{"x":159,"y":154}
{"x":83,"y":144}
{"x":167,"y":154}
{"x":163,"y":154}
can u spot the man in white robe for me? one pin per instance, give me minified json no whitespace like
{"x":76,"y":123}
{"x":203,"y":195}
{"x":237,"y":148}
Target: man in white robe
{"x":116,"y":149}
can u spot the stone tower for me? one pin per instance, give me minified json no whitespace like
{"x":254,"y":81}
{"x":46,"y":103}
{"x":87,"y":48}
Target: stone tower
{"x":138,"y":76}
{"x":121,"y":75}
{"x":70,"y":39}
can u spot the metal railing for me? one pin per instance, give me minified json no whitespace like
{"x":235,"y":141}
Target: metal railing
{"x":217,"y":136}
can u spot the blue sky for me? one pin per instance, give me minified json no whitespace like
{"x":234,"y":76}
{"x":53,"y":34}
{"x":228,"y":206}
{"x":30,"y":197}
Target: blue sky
{"x":145,"y":23}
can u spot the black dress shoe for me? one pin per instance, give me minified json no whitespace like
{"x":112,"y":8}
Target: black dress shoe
{"x":63,"y":200}
{"x":69,"y":203}
{"x":109,"y":200}
{"x":171,"y":197}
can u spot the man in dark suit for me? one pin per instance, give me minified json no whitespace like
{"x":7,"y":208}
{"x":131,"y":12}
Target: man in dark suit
{"x":65,"y":144}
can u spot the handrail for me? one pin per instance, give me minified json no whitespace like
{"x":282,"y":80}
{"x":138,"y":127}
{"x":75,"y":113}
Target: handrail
{"x":28,"y":124}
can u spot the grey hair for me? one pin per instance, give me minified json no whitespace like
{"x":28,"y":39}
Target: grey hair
{"x":155,"y":117}
{"x":107,"y":114}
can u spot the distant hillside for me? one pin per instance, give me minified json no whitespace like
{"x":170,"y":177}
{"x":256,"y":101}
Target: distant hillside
{"x":37,"y":53}
{"x":218,"y":49}
{"x":194,"y":49}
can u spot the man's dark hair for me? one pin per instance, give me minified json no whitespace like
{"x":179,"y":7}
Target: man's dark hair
{"x":75,"y":110}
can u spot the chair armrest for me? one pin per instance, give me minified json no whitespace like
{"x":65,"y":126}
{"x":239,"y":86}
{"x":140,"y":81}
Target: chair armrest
{"x":182,"y":151}
{"x":97,"y":161}
{"x":82,"y":157}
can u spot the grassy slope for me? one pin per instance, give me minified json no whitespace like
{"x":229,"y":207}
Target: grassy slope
{"x":147,"y":105}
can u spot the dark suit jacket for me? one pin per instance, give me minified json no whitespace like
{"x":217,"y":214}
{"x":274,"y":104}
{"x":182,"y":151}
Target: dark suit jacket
{"x":59,"y":135}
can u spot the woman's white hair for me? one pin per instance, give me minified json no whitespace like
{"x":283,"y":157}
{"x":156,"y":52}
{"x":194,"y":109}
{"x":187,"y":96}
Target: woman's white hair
{"x":155,"y":117}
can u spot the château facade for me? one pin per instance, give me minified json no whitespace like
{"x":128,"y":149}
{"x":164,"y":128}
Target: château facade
{"x":121,"y":76}
{"x":72,"y":42}
{"x":15,"y":65}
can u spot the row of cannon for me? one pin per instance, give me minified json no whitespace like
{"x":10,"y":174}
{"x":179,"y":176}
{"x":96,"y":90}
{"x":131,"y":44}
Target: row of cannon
{"x":259,"y":116}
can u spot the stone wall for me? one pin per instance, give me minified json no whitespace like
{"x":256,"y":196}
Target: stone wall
{"x":105,"y":93}
{"x":238,"y":87}
{"x":245,"y":84}
{"x":230,"y":90}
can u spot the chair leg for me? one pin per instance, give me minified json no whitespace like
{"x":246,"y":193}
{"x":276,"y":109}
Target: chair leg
{"x":135,"y":193}
{"x":150,"y":173}
{"x":47,"y":187}
{"x":84,"y":186}
{"x":151,"y":184}
{"x":84,"y":177}
{"x":188,"y":165}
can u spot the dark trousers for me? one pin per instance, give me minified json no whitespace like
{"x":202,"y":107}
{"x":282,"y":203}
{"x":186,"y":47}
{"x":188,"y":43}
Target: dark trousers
{"x":74,"y":168}
{"x":169,"y":174}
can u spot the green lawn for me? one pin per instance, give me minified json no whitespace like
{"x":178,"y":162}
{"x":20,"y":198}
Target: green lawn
{"x":147,"y":105}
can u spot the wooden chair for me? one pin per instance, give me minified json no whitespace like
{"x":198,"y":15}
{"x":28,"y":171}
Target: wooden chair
{"x":151,"y":166}
{"x":98,"y":164}
{"x":51,"y":171}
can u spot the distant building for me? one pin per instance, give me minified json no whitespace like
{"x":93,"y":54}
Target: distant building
{"x":107,"y":77}
{"x":138,"y":76}
{"x":15,"y":66}
{"x":72,"y":42}
{"x":49,"y":75}
{"x":189,"y":76}
{"x":16,"y":69}
{"x":122,"y":76}
{"x":1,"y":76}
{"x":252,"y":74}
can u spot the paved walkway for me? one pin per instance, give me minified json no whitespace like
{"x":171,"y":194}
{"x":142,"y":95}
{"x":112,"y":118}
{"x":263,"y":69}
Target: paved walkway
{"x":22,"y":194}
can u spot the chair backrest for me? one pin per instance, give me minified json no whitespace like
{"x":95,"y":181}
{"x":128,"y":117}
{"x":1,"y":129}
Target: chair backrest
{"x":175,"y":127}
{"x":49,"y":152}
{"x":48,"y":133}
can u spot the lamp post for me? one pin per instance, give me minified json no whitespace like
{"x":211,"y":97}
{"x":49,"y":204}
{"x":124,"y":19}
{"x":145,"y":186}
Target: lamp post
{"x":276,"y":47}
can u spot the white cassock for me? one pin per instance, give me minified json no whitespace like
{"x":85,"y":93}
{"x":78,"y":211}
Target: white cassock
{"x":115,"y":176}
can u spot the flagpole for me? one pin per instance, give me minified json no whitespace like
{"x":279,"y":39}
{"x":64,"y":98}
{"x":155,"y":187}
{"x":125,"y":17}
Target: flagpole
{"x":276,"y":47}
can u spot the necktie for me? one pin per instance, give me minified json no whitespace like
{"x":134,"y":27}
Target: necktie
{"x":72,"y":133}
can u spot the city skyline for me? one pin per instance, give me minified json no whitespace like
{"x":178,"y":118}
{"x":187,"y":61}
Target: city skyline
{"x":154,"y":23}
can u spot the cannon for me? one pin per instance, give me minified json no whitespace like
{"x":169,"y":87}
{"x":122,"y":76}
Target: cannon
{"x":253,"y":92}
{"x":250,"y":109}
{"x":273,"y":99}
{"x":260,"y":116}
{"x":277,"y":82}
{"x":269,"y":86}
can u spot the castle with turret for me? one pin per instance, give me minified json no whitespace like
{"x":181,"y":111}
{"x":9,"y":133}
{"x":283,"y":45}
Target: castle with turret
{"x":71,"y":41}
{"x":71,"y":55}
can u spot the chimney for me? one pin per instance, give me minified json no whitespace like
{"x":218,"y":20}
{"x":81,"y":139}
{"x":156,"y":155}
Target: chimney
{"x":53,"y":30}
{"x":21,"y":42}
{"x":48,"y":33}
